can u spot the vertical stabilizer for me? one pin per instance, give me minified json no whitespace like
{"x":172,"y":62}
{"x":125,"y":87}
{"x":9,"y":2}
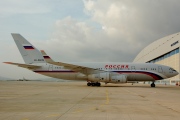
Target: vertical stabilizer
{"x":29,"y":53}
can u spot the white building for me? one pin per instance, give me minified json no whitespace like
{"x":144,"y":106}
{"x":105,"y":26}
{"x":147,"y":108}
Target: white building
{"x":164,"y":51}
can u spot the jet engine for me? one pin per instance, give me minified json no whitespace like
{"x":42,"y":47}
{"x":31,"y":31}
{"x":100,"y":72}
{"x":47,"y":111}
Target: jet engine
{"x":119,"y":79}
{"x":108,"y":77}
{"x":99,"y":77}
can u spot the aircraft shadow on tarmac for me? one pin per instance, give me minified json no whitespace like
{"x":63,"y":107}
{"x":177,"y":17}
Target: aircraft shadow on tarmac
{"x":143,"y":86}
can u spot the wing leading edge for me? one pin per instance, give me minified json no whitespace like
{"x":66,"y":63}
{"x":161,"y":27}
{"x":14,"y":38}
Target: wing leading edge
{"x":73,"y":67}
{"x":77,"y":68}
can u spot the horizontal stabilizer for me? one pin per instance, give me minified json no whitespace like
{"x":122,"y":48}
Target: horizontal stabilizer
{"x":24,"y":65}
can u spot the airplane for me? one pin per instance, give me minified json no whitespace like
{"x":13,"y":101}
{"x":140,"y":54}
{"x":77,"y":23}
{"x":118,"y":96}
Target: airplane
{"x":94,"y":73}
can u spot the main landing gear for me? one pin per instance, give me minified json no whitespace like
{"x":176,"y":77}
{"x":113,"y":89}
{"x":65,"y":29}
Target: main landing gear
{"x":93,"y":84}
{"x":152,"y":84}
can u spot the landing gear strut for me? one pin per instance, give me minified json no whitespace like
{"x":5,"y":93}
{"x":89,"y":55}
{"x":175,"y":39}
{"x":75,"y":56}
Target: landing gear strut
{"x":93,"y":84}
{"x":152,"y":84}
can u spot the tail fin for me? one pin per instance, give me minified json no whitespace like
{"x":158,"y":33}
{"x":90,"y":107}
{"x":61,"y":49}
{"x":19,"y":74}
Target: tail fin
{"x":29,"y":53}
{"x":46,"y":57}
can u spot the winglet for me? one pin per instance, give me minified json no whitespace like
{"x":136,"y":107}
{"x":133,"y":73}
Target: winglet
{"x":46,"y":57}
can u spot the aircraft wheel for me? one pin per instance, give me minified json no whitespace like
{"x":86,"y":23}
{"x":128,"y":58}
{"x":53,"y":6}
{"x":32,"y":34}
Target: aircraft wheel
{"x":98,"y":84}
{"x":153,"y":85}
{"x":93,"y":84}
{"x":88,"y":84}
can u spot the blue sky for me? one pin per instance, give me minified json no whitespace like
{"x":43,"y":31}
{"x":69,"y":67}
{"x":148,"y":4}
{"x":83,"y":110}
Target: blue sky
{"x":84,"y":30}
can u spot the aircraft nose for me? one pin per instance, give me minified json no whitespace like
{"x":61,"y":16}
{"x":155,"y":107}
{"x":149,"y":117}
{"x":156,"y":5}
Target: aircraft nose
{"x":173,"y":72}
{"x":176,"y":73}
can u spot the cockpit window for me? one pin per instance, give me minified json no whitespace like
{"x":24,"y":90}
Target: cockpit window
{"x":172,"y":69}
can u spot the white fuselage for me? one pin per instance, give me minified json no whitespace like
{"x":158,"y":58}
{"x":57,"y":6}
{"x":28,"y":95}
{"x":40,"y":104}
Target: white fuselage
{"x":132,"y":71}
{"x":94,"y":73}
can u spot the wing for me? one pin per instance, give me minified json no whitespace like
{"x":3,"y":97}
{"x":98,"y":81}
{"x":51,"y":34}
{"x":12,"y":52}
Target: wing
{"x":31,"y":67}
{"x":77,"y":68}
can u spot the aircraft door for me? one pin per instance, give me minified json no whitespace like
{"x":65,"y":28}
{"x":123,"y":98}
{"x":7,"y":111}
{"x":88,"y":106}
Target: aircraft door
{"x":133,"y":73}
{"x":133,"y":69}
{"x":50,"y":67}
{"x":160,"y":70}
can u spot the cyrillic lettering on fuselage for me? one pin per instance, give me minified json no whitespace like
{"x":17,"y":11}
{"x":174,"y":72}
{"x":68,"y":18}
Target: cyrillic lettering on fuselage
{"x":117,"y":66}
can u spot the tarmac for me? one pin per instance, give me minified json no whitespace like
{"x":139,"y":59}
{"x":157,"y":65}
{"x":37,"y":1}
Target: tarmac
{"x":35,"y":100}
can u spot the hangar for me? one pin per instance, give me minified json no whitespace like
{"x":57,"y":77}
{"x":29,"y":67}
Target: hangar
{"x":163,"y":51}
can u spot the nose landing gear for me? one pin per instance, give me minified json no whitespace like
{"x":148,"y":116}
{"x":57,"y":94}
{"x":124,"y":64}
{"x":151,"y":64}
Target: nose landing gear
{"x":152,"y":84}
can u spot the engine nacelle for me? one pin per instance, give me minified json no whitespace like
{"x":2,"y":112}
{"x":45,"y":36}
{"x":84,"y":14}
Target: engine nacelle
{"x":108,"y":77}
{"x":119,"y":79}
{"x":100,"y":77}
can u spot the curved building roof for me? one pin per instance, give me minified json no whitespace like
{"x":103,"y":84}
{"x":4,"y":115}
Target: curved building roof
{"x":159,"y":48}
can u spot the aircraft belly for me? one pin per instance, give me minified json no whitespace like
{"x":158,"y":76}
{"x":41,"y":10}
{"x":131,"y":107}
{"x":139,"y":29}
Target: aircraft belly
{"x":139,"y":77}
{"x":62,"y":75}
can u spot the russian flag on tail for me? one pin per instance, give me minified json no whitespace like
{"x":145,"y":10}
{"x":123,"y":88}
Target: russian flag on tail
{"x":28,"y":47}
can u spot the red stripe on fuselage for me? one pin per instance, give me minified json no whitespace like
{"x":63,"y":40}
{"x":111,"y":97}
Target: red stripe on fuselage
{"x":153,"y":75}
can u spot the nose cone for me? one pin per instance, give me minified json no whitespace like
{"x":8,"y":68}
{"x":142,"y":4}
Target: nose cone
{"x":176,"y":73}
{"x":172,"y":72}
